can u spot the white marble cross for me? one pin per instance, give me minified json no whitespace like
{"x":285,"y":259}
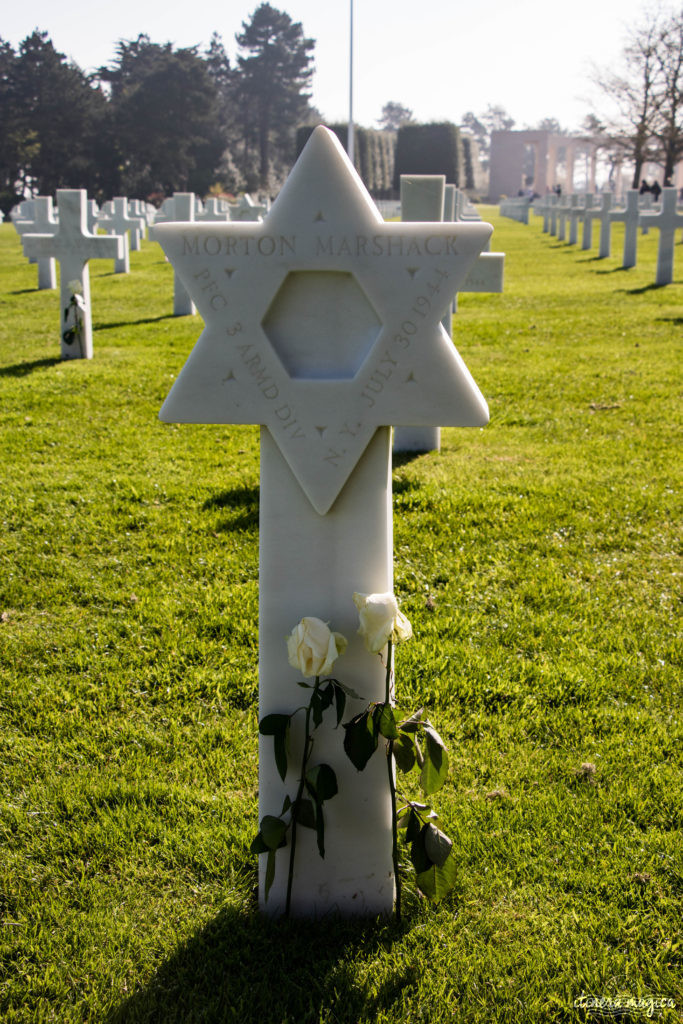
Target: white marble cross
{"x":214,"y":209}
{"x":575,"y":212}
{"x":602,"y":214}
{"x":73,"y":245}
{"x":587,"y":221}
{"x":667,"y":219}
{"x":122,"y":220}
{"x":628,"y":216}
{"x":43,"y":222}
{"x":323,"y":324}
{"x":563,"y":211}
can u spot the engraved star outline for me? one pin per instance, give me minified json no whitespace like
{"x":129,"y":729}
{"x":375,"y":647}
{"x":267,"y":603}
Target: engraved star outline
{"x":233,"y":370}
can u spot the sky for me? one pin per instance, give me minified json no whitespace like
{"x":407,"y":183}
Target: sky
{"x":440,"y":60}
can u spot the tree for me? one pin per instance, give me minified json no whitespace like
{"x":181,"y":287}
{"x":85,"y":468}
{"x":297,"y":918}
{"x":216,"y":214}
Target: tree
{"x":57,"y":119}
{"x":393,"y":116}
{"x":669,"y":93}
{"x":493,"y":119}
{"x":549,"y":124}
{"x":166,"y":115}
{"x":646,"y":93}
{"x":14,"y":144}
{"x":271,"y":88}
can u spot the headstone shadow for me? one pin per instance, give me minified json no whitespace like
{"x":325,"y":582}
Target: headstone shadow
{"x":245,"y":967}
{"x":399,"y":459}
{"x":131,"y":323}
{"x":243,"y":505}
{"x":23,"y":369}
{"x":654,"y":287}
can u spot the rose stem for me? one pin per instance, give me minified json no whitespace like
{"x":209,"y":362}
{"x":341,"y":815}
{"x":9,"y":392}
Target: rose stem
{"x":392,"y":789}
{"x":297,"y":800}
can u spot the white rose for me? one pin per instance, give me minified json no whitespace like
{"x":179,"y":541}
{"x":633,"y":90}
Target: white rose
{"x":313,"y":648}
{"x":76,"y":287}
{"x":381,"y":620}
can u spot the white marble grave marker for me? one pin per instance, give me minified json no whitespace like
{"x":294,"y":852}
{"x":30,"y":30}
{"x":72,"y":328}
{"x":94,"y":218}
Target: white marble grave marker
{"x":323,"y":324}
{"x":587,"y":221}
{"x":667,"y":219}
{"x":423,"y":198}
{"x":113,"y":219}
{"x":629,"y":217}
{"x":575,"y":210}
{"x":73,"y":245}
{"x":43,"y":222}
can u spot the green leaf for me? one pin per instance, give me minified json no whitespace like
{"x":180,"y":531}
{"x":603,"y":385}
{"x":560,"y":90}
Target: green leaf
{"x":360,"y":740}
{"x":286,"y":805}
{"x":271,"y":725}
{"x":435,"y":767}
{"x":270,"y":871}
{"x":273,"y":831}
{"x":277,"y":726}
{"x":402,"y":817}
{"x":258,"y":845}
{"x":413,"y":723}
{"x":404,"y":751}
{"x":320,"y":702}
{"x":321,"y":782}
{"x":346,"y":689}
{"x":437,"y":845}
{"x":305,"y":814}
{"x":436,"y":882}
{"x":340,"y":701}
{"x":418,"y":854}
{"x":387,"y":722}
{"x":414,"y":827}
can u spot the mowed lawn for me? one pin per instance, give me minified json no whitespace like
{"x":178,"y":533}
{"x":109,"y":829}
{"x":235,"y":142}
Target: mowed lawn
{"x":538,"y":561}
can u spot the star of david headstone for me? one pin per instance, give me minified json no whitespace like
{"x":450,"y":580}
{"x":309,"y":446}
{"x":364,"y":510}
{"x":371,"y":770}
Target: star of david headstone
{"x":323,"y":322}
{"x":323,"y":325}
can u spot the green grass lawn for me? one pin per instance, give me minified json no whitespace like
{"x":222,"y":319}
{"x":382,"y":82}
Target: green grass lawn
{"x":538,"y":562}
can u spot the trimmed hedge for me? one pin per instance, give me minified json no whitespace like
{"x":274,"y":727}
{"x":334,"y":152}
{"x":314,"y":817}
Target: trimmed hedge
{"x":373,"y":155}
{"x":430,"y":149}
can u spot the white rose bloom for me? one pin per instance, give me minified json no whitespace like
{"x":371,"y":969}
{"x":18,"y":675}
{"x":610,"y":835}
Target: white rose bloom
{"x":381,"y":620}
{"x":313,"y":648}
{"x":76,"y":287}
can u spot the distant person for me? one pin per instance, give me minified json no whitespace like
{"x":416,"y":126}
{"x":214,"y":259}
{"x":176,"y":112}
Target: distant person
{"x":644,"y":187}
{"x":656,"y":190}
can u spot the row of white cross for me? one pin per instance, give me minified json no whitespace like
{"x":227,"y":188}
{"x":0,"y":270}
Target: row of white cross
{"x":562,"y":216}
{"x":68,"y":234}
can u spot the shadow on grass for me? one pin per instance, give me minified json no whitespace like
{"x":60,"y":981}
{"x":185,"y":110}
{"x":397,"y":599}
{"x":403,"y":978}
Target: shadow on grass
{"x":23,"y":369}
{"x":645,"y":288}
{"x":615,"y":270}
{"x":399,"y":459}
{"x":243,"y":502}
{"x":131,"y":323}
{"x":245,"y":968}
{"x":678,"y":320}
{"x":29,"y":291}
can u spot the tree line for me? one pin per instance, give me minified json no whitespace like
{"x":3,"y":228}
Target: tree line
{"x":158,"y":119}
{"x":645,"y":94}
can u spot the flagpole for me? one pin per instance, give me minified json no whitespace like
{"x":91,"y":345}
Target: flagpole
{"x":349,"y":137}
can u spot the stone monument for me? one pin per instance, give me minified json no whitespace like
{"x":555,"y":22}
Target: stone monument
{"x":73,"y":245}
{"x":323,"y":324}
